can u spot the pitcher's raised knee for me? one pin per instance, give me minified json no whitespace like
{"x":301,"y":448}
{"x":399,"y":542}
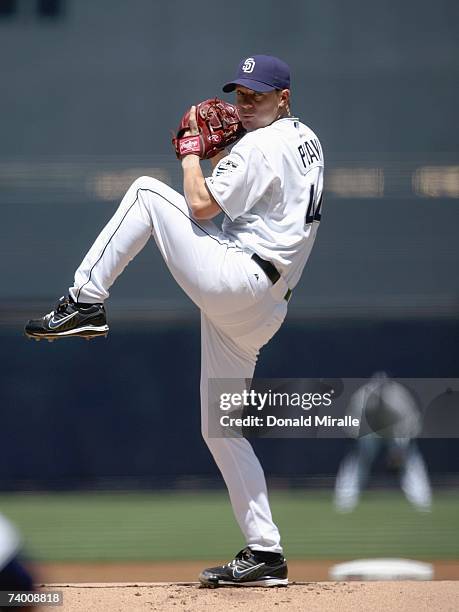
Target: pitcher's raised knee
{"x":148,"y":183}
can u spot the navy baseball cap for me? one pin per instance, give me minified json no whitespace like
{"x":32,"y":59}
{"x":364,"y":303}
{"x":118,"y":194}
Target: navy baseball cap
{"x":261,"y":73}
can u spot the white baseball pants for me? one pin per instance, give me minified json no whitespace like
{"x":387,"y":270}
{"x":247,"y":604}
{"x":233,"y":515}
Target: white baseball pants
{"x":240,"y":312}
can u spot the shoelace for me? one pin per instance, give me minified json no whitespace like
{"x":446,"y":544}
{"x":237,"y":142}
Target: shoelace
{"x":59,"y":310}
{"x":242,"y":558}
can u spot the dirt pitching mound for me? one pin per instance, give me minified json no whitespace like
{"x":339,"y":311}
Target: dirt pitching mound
{"x":312,"y":596}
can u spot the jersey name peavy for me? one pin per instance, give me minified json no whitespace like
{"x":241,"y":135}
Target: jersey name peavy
{"x":310,"y":152}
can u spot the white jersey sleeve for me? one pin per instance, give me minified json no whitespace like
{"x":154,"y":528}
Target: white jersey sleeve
{"x":241,"y":179}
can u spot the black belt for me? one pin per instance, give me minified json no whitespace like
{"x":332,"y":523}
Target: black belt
{"x":271,"y":272}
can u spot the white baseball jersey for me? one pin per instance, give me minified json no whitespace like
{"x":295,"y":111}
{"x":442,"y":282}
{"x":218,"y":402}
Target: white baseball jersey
{"x":270,"y":189}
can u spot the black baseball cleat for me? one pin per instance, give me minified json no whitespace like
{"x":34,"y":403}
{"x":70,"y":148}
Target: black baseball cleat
{"x":248,"y":568}
{"x":69,"y":319}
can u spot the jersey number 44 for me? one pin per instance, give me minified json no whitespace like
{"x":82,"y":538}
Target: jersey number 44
{"x":314,"y":207}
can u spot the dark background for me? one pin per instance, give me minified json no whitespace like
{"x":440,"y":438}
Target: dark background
{"x":89,"y":94}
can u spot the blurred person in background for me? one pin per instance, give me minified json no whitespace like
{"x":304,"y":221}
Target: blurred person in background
{"x":13,"y":575}
{"x":390,"y":420}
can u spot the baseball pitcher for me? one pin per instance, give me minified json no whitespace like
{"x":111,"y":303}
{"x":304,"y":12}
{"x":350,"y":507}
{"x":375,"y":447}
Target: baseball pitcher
{"x":241,"y":276}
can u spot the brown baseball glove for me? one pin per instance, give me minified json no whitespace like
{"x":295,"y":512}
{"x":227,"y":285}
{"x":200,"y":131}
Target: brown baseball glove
{"x":218,"y":124}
